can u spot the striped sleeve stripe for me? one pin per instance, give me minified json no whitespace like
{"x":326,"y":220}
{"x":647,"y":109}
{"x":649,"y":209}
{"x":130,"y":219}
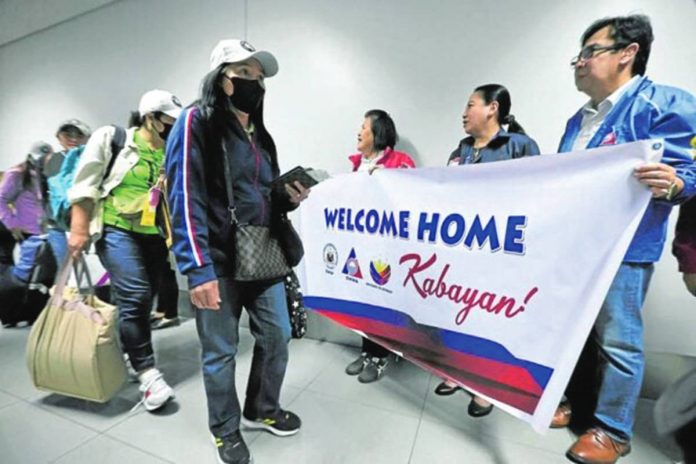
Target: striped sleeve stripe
{"x":190,"y":229}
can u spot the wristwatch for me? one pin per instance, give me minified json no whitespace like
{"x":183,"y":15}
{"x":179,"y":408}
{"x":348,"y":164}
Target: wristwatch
{"x":671,"y":191}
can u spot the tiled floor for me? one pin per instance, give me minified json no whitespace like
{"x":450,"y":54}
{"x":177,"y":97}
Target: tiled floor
{"x":397,"y":420}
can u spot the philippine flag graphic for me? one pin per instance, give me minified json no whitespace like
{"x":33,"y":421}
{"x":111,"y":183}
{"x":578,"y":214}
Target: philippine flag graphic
{"x":380,"y":272}
{"x":610,"y":139}
{"x":352,"y":267}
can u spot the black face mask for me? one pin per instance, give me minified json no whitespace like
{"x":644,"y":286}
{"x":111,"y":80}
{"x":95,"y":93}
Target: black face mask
{"x":247,"y":95}
{"x":167,"y":129}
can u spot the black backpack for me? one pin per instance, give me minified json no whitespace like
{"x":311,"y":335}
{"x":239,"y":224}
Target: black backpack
{"x":23,"y":301}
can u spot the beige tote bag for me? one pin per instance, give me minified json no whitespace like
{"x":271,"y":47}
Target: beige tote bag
{"x":73,"y":346}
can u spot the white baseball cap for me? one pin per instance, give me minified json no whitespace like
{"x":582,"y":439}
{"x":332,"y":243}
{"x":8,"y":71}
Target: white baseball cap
{"x":40,"y":149}
{"x":234,"y":51}
{"x":159,"y":100}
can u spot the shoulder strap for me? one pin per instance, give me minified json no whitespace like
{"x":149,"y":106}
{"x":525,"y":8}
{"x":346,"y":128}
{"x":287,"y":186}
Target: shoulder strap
{"x":227,"y":178}
{"x":213,"y":136}
{"x":117,"y":143}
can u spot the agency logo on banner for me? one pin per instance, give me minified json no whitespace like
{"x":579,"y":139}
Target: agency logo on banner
{"x":352,"y":267}
{"x":330,"y":254}
{"x":380,"y":272}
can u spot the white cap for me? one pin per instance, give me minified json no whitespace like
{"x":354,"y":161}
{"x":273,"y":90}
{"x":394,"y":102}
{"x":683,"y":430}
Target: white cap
{"x":159,"y":100}
{"x":40,"y":149}
{"x":234,"y":51}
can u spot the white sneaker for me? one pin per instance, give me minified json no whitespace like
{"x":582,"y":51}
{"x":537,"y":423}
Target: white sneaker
{"x":155,"y":390}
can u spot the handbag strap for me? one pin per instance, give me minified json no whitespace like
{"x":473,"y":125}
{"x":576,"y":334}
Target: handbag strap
{"x":69,"y":264}
{"x":62,"y":279}
{"x":228,"y":184}
{"x":82,"y":272}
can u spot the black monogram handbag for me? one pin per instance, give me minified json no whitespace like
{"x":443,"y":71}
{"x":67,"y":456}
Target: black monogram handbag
{"x":258,"y":254}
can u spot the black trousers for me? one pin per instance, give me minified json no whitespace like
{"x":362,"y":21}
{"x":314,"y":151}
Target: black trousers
{"x":168,"y":293}
{"x":685,"y":439}
{"x":373,"y":349}
{"x":7,"y":244}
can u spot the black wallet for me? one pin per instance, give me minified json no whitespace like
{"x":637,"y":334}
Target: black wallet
{"x":296,"y":174}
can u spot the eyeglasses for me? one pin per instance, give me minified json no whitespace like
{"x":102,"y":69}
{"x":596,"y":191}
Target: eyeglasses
{"x":593,"y":50}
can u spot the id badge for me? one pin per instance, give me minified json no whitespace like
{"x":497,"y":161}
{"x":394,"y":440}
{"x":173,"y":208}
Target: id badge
{"x":150,"y":207}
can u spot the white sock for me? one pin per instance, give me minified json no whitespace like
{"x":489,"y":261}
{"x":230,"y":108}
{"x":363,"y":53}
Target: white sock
{"x":148,"y":375}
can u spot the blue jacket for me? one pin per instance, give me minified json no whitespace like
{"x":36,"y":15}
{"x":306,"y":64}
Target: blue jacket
{"x":649,"y":111}
{"x":203,"y":240}
{"x":504,"y":146}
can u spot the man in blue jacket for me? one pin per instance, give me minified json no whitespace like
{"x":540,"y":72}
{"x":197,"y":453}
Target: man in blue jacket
{"x":625,"y":106}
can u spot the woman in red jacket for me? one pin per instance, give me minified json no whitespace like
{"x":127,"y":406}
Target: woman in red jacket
{"x":376,"y":141}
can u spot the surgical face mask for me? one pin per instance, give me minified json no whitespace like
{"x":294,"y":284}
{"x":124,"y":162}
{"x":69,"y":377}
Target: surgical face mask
{"x":247,"y":95}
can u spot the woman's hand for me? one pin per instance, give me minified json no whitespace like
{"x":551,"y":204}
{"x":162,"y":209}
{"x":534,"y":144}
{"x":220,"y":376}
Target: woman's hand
{"x":206,"y":296}
{"x":297,"y":192}
{"x":77,"y":242}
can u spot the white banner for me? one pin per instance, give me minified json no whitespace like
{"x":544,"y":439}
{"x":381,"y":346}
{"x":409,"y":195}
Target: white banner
{"x":490,"y":275}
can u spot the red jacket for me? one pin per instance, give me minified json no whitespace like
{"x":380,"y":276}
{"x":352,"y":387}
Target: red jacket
{"x":391,"y":159}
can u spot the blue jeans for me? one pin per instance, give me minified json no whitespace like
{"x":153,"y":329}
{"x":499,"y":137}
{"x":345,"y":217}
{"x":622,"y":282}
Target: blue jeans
{"x":219,"y":335}
{"x":618,"y":333}
{"x":59,"y":244}
{"x":134,"y":262}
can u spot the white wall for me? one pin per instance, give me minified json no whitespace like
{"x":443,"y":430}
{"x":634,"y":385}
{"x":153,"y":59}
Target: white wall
{"x":419,"y":60}
{"x":96,"y":67}
{"x":19,"y":18}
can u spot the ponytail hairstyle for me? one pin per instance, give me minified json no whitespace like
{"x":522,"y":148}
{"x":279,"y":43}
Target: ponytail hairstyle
{"x":498,"y":93}
{"x":135,"y":120}
{"x":28,"y":167}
